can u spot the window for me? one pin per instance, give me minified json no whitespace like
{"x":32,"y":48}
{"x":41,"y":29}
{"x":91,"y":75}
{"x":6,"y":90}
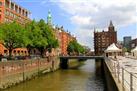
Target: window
{"x":14,"y":51}
{"x":5,"y":51}
{"x":18,"y":51}
{"x":0,"y":3}
{"x":7,"y":12}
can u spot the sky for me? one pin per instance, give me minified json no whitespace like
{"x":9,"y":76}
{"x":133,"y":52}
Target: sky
{"x":81,"y":17}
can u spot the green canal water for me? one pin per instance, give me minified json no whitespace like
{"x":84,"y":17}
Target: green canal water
{"x":83,"y":78}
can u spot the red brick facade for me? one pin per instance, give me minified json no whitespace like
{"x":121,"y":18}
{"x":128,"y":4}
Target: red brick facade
{"x":9,"y":12}
{"x":64,"y":38}
{"x":103,"y":39}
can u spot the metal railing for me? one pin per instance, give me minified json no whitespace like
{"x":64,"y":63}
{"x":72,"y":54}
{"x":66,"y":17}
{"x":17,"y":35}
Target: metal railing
{"x":127,"y":79}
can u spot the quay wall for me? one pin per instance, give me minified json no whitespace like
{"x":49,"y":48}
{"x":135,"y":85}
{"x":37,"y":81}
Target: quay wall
{"x":111,"y":81}
{"x":15,"y":72}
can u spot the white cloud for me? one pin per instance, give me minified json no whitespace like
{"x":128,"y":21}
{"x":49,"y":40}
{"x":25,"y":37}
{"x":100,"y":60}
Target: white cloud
{"x":82,"y":21}
{"x":87,"y":14}
{"x":84,"y":36}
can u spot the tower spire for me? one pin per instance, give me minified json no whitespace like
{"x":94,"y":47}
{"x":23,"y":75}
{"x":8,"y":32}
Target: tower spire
{"x":49,"y":18}
{"x":94,"y":29}
{"x":111,"y":27}
{"x":111,"y":24}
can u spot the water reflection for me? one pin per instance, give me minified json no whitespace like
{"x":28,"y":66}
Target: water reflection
{"x":81,"y":79}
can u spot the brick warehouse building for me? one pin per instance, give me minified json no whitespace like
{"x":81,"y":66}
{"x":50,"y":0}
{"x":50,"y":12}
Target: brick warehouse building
{"x":64,"y":38}
{"x":103,"y":39}
{"x":9,"y":12}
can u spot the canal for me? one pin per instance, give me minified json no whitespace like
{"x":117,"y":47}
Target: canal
{"x":82,"y":78}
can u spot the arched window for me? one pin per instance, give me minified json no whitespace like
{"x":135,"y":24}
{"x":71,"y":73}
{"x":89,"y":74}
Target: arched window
{"x":14,"y":51}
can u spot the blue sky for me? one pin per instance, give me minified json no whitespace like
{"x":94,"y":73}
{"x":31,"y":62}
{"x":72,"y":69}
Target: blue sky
{"x":81,"y":16}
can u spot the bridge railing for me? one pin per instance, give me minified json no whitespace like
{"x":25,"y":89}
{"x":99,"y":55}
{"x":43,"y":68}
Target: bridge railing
{"x":127,"y":79}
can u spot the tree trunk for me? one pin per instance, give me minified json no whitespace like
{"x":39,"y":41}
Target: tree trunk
{"x":29,"y":50}
{"x":10,"y":53}
{"x":41,"y":51}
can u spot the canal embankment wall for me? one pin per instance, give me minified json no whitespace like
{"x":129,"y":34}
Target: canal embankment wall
{"x":15,"y":72}
{"x":111,"y":81}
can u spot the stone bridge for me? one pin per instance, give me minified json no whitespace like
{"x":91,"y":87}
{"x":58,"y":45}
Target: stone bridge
{"x":64,"y":59}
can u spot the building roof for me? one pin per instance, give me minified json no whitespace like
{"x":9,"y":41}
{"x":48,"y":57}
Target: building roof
{"x":3,"y":47}
{"x":21,"y":49}
{"x":135,"y":49}
{"x":113,"y":48}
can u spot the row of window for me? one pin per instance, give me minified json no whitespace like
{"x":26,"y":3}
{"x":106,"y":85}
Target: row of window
{"x":15,"y":17}
{"x":12,"y":15}
{"x":8,"y":20}
{"x":16,"y":9}
{"x":19,"y":52}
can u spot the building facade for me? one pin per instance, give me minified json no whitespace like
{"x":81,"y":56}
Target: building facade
{"x":127,"y":42}
{"x":103,"y":39}
{"x":134,"y":43}
{"x":10,"y":11}
{"x":63,"y":38}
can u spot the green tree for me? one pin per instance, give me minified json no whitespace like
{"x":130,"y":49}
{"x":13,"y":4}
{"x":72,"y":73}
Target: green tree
{"x":74,"y":46}
{"x":13,"y":36}
{"x":125,"y":49}
{"x":40,"y":36}
{"x":47,"y":33}
{"x":35,"y":37}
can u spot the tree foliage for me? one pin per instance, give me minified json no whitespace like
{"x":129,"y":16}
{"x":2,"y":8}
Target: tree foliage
{"x":33,"y":35}
{"x":75,"y":47}
{"x":48,"y":34}
{"x":13,"y":36}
